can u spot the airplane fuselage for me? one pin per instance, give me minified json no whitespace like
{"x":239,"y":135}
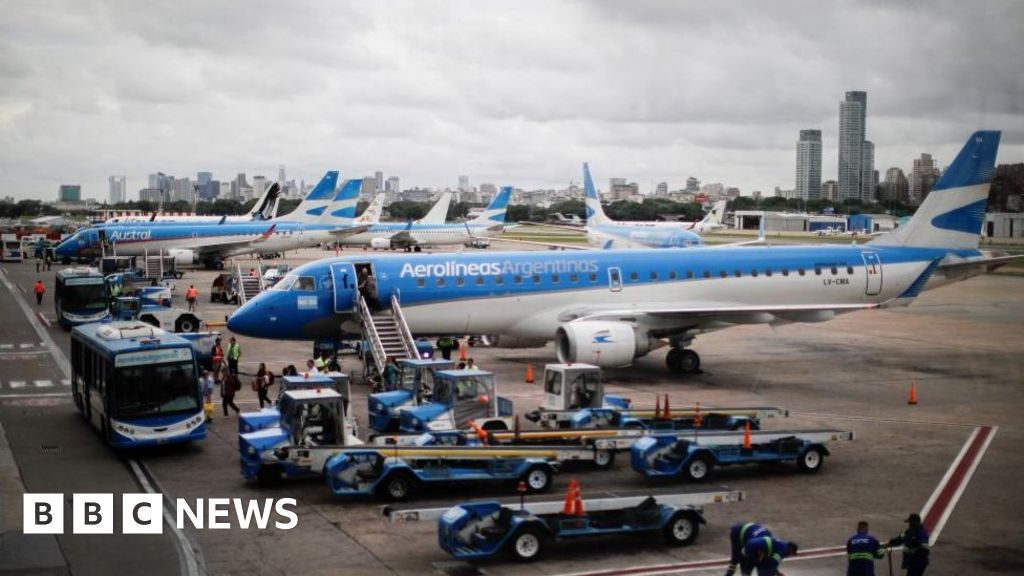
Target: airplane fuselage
{"x":529,"y":294}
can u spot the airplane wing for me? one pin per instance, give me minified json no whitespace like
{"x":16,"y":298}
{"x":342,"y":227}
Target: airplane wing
{"x":551,"y":245}
{"x":350,"y":230}
{"x":661,"y":321}
{"x":978,"y":266}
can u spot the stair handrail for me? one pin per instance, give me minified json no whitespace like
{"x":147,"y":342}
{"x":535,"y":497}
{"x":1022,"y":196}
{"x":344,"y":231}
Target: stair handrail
{"x":242,"y":296}
{"x":380,"y":357}
{"x":408,"y":342}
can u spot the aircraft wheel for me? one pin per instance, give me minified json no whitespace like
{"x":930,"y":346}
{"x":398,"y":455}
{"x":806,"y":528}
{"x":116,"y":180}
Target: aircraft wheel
{"x":674,"y":361}
{"x":689,"y":361}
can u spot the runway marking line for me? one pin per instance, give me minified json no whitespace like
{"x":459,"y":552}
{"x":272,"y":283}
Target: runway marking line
{"x":934,"y":514}
{"x":43,"y":318}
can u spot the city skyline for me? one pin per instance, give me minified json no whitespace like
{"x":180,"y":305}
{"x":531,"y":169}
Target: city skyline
{"x":509,"y":104}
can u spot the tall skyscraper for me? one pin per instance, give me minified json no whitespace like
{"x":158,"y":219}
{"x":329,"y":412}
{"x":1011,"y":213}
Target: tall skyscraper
{"x":118,"y":189}
{"x":392,"y":184}
{"x":808,"y":165}
{"x":830,"y":190}
{"x":852,"y":132}
{"x":463,"y":183}
{"x":923,"y":178}
{"x":895,"y":186}
{"x":868,"y":178}
{"x":204,"y":178}
{"x":378,"y":180}
{"x":280,"y":174}
{"x":692,"y":185}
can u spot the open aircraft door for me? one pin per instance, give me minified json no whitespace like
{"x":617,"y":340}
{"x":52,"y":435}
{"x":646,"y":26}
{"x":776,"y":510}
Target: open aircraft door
{"x":346,"y":286}
{"x":873,"y":269}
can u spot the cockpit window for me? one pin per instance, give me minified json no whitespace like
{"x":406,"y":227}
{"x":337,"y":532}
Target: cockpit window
{"x":305,"y":284}
{"x":286,"y":282}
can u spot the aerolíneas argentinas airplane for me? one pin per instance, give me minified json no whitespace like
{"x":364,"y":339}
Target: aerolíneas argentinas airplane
{"x":603,"y":231}
{"x":610,"y":307}
{"x":317,"y":219}
{"x":431,"y":232}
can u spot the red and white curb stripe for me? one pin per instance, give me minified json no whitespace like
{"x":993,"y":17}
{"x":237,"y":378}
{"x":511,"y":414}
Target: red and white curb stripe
{"x":934,"y":514}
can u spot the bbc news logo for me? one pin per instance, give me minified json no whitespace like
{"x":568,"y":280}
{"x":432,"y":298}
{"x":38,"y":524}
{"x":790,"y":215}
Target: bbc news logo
{"x":144,"y":513}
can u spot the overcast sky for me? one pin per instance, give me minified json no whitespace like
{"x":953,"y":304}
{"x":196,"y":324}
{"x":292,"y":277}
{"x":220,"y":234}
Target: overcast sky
{"x":513,"y":93}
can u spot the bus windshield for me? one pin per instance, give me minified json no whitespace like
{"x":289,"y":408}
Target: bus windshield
{"x":155,"y":389}
{"x":83,"y":297}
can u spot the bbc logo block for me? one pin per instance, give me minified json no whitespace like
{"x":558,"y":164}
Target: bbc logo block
{"x":92,"y":513}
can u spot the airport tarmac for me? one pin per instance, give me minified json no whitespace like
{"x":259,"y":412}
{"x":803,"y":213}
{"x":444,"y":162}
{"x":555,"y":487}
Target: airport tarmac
{"x":960,"y":346}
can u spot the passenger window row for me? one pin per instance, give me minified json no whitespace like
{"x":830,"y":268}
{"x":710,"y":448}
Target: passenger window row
{"x":592,"y":278}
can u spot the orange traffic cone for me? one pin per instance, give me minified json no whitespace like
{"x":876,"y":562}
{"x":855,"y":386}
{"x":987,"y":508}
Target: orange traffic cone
{"x":529,"y":374}
{"x":570,"y":501}
{"x":578,"y":501}
{"x":462,"y":351}
{"x":747,"y":444}
{"x":666,"y":413}
{"x":657,"y":406}
{"x":913,"y":395}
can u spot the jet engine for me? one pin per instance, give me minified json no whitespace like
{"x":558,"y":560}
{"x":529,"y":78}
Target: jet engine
{"x":183,"y":257}
{"x":380,"y":243}
{"x":605,"y":344}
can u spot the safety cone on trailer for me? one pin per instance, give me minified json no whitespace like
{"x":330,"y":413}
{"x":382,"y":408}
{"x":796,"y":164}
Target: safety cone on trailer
{"x":657,"y":406}
{"x":570,"y":501}
{"x":462,"y":350}
{"x":529,"y":374}
{"x":913,"y":394}
{"x":577,"y":502}
{"x":747,"y":444}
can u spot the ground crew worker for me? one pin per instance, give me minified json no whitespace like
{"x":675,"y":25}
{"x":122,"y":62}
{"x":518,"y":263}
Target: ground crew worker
{"x":190,"y":296}
{"x":218,"y":360}
{"x":39,"y":290}
{"x":320,"y":364}
{"x":446,"y":344}
{"x":915,"y":546}
{"x":234,"y":353}
{"x":766,"y":554}
{"x":738,"y":536}
{"x":861,"y":551}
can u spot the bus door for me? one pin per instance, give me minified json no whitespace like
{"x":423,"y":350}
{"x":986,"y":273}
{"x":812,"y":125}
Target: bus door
{"x":873,"y":268}
{"x":346,"y":286}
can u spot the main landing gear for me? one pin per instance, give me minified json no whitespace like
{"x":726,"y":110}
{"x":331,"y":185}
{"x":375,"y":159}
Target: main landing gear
{"x":682,"y":361}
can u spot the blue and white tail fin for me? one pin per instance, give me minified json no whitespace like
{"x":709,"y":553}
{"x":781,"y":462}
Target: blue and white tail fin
{"x":373,"y":212}
{"x":342,"y":209}
{"x":495,"y":212}
{"x":439,"y":211}
{"x":953,"y":214}
{"x":315,"y":203}
{"x":595,"y":214}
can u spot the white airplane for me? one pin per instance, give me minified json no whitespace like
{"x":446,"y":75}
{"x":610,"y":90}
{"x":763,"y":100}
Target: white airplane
{"x":610,"y":307}
{"x":432,"y":229}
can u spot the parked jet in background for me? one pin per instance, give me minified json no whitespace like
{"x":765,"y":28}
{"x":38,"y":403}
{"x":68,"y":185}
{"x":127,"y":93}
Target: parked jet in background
{"x":611,"y":307}
{"x":713,"y":220}
{"x":412,"y":236}
{"x":608,"y":233}
{"x":210,"y":244}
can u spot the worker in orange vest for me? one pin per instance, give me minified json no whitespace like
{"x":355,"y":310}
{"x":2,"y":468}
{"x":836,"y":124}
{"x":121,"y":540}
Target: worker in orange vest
{"x":40,"y":290}
{"x":190,"y":296}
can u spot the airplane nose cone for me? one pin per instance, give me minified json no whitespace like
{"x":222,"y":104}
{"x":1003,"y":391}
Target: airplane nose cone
{"x":246,"y":320}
